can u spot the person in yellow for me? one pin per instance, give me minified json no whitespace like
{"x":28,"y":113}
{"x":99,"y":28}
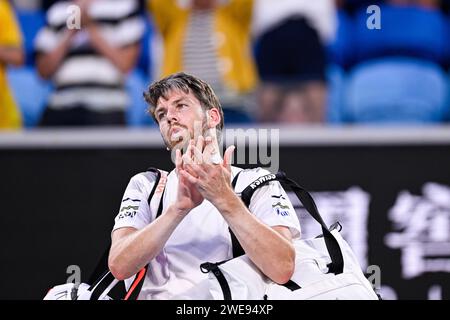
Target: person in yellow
{"x":11,"y":53}
{"x":210,"y":39}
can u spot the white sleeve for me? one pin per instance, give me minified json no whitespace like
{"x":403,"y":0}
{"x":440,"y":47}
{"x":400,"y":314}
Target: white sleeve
{"x":134,"y":209}
{"x":272,"y":206}
{"x":46,"y":40}
{"x":51,"y":35}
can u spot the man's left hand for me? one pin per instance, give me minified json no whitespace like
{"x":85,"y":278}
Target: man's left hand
{"x":208,"y":172}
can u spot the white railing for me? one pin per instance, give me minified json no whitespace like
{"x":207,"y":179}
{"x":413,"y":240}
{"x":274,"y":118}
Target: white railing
{"x":288,"y":136}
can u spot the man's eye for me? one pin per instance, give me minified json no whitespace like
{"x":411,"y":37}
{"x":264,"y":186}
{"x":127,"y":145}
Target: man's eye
{"x":160,"y":115}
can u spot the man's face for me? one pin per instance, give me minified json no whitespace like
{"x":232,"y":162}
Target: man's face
{"x":180,"y":118}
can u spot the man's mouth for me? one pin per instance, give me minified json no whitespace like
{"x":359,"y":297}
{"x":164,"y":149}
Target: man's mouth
{"x":176,"y":134}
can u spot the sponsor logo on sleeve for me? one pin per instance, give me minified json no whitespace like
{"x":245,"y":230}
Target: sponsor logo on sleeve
{"x":128,"y":210}
{"x":281,"y":209}
{"x":129,"y":207}
{"x":132,"y":200}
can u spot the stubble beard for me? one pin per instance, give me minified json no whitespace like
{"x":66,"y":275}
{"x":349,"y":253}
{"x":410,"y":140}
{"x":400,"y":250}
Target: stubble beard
{"x":199,"y":128}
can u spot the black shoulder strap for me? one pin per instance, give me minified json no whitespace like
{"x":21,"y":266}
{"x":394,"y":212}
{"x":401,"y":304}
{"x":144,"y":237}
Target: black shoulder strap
{"x":160,"y":207}
{"x":158,"y":177}
{"x":214,"y":267}
{"x":337,"y":261}
{"x":235,"y":179}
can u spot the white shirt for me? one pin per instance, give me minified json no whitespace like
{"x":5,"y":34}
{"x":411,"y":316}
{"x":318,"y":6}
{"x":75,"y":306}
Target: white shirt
{"x":202,"y":235}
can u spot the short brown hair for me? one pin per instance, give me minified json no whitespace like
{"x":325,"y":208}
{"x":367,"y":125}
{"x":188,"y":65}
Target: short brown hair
{"x":186,"y":83}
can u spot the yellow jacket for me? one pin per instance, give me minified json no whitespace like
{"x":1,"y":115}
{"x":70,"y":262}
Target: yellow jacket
{"x":9,"y":36}
{"x":232,"y":21}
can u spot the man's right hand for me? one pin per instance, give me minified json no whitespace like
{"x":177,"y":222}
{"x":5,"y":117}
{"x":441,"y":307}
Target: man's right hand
{"x":188,"y":196}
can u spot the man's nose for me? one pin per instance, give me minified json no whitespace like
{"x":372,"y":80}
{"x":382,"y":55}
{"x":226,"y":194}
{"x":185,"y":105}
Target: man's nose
{"x":172,"y":115}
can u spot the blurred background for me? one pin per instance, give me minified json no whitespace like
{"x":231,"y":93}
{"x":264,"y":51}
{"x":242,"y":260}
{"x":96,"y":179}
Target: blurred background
{"x":359,"y":91}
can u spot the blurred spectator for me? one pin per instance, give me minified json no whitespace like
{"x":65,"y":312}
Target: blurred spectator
{"x":46,"y":4}
{"x":210,"y":39}
{"x":445,"y":6}
{"x":422,"y":3}
{"x":27,"y":4}
{"x":350,"y":6}
{"x":291,"y":60}
{"x":11,"y":53}
{"x":88,"y":65}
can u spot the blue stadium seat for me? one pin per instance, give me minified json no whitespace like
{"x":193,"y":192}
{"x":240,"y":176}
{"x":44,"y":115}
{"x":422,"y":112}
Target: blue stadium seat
{"x":396,"y":90}
{"x":232,"y":116}
{"x":340,"y":51}
{"x":336,"y":85}
{"x":405,"y":31}
{"x":30,"y":23}
{"x":30,"y":92}
{"x":144,"y":59}
{"x":136,"y":84}
{"x":138,"y":80}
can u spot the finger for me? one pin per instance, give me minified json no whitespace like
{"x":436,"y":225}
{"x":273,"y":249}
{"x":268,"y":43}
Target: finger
{"x":186,"y":160}
{"x":187,"y":157}
{"x":178,"y":160}
{"x":209,"y":151}
{"x":189,"y":168}
{"x":197,"y":155}
{"x":180,"y":177}
{"x":200,"y":143}
{"x":189,"y":177}
{"x":197,"y":130}
{"x":208,"y":145}
{"x":191,"y":148}
{"x":196,"y":170}
{"x":227,"y":157}
{"x":182,"y":181}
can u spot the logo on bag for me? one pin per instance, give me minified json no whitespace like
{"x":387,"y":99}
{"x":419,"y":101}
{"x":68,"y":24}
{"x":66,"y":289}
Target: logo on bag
{"x":350,"y":208}
{"x":422,"y":230}
{"x":262,"y":179}
{"x":162,"y":183}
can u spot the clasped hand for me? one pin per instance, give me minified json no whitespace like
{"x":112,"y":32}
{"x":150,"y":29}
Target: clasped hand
{"x":202,"y":174}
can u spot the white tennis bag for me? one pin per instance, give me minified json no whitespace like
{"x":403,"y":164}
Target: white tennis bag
{"x":67,"y":291}
{"x":100,"y":290}
{"x":325,"y":267}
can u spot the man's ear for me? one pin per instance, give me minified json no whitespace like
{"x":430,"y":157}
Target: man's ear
{"x":213,"y":115}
